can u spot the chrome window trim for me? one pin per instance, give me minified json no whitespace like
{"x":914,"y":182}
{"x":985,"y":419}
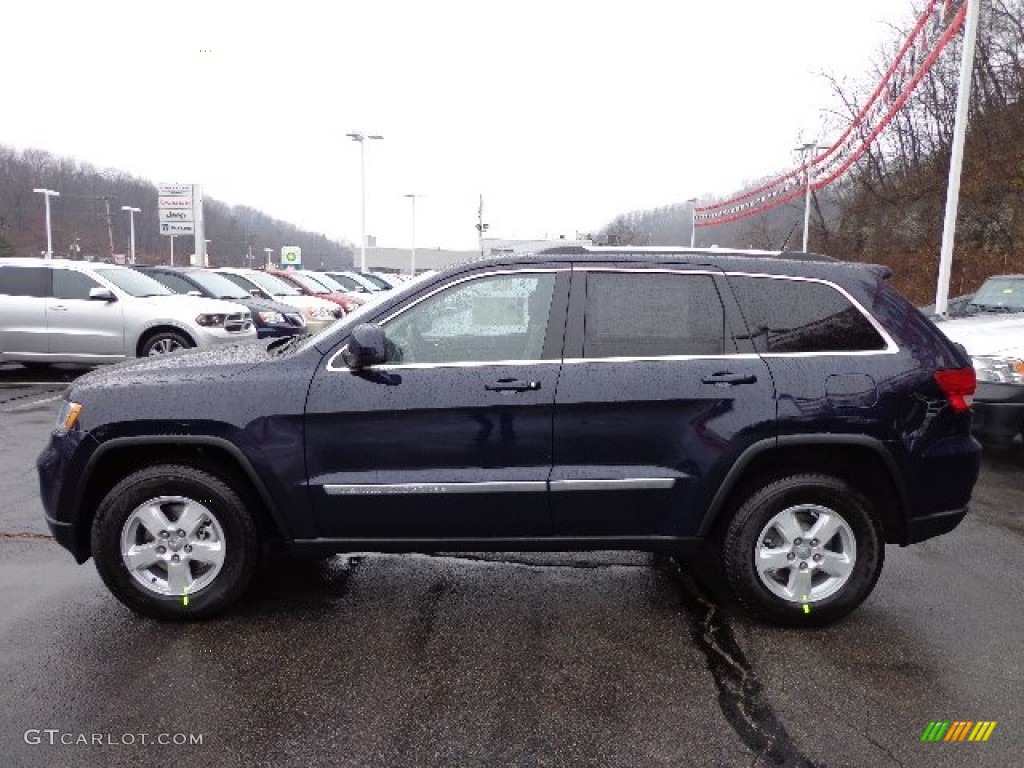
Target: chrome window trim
{"x":891,"y":348}
{"x":465,"y":364}
{"x":622,"y":484}
{"x":385,"y":489}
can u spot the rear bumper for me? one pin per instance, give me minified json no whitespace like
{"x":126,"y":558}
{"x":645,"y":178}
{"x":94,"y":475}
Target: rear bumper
{"x":929,"y":526}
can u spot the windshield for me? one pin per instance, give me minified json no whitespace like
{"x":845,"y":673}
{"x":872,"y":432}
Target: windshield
{"x":309,"y":282}
{"x":218,"y":285}
{"x":1000,"y":294}
{"x":346,"y":282}
{"x":134,"y":283}
{"x":383,"y":285}
{"x":275,"y":286}
{"x":332,"y":285}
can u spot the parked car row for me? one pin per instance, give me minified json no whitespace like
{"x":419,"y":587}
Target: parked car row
{"x":64,"y":311}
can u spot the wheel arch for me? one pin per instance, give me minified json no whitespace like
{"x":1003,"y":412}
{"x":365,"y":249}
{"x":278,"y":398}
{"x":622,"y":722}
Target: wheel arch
{"x":860,"y":460}
{"x":116,"y":458}
{"x":161,"y":327}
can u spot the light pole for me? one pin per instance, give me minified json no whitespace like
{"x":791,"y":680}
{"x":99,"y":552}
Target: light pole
{"x":206,"y":253}
{"x":172,"y":250}
{"x":361,"y":138}
{"x":692,"y":202}
{"x":268,"y":251}
{"x":805,"y":151}
{"x":47,"y":194}
{"x":956,"y":160}
{"x":131,"y":217}
{"x":412,"y":257}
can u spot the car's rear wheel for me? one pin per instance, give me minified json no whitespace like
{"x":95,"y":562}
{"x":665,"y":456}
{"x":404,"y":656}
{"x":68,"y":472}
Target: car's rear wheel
{"x":174,"y":542}
{"x":803,"y":550}
{"x":164,"y":343}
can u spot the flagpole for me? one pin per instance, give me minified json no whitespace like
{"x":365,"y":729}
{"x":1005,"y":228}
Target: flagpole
{"x":956,"y":161}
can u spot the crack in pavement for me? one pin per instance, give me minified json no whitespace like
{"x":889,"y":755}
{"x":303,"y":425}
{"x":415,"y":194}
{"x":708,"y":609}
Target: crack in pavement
{"x":884,"y":749}
{"x":741,"y":695}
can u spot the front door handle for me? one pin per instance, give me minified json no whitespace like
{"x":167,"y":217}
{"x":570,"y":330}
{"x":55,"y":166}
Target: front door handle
{"x":58,"y":308}
{"x":729,"y":379}
{"x":513,"y":385}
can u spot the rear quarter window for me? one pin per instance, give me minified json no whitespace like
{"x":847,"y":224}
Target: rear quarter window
{"x":786,"y":315}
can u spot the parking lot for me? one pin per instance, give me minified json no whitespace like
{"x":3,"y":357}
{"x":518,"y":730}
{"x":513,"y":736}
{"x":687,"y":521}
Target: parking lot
{"x":504,"y":659}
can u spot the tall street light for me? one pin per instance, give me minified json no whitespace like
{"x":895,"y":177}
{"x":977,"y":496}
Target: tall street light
{"x":268,"y":251}
{"x":412,"y":257}
{"x":131,"y":216}
{"x":361,"y":138}
{"x":47,"y":194}
{"x":692,"y":202}
{"x":806,"y":151}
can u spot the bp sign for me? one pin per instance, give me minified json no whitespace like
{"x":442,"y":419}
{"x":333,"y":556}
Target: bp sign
{"x":291,"y":257}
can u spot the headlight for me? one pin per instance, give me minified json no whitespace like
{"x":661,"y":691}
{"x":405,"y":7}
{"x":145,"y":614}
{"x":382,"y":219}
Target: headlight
{"x":271,"y":318}
{"x":212,"y":320}
{"x":1001,"y":370}
{"x":68,"y":416}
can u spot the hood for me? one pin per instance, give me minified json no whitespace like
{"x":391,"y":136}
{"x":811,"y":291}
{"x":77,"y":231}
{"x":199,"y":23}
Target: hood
{"x":987,"y":334}
{"x":200,"y":305}
{"x":190,"y":364}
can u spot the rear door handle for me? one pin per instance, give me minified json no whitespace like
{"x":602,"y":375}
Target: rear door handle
{"x":513,"y":385}
{"x":728,"y":379}
{"x":58,"y":308}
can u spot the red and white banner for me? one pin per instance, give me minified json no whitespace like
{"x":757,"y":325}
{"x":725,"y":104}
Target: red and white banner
{"x":937,"y":25}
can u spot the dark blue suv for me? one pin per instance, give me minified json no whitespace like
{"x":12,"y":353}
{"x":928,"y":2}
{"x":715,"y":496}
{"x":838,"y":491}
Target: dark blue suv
{"x":794,"y":411}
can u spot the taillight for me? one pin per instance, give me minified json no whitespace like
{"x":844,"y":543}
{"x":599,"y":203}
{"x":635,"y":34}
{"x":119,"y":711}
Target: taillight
{"x":958,"y":385}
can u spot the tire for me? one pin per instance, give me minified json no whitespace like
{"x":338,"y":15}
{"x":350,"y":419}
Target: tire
{"x":131,"y":521}
{"x":764,"y":551}
{"x":165,"y":342}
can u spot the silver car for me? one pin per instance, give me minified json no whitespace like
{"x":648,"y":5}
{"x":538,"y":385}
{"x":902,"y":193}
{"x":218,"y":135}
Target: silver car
{"x":61,"y":311}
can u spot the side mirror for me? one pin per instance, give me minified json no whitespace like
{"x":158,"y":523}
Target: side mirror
{"x":366,"y":346}
{"x":101,"y":294}
{"x":256,"y":292}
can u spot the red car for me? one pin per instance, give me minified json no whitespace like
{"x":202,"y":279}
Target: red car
{"x":317,"y":286}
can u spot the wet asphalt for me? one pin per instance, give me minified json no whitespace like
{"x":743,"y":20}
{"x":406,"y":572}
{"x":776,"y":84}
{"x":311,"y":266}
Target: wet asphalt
{"x":605,"y":659}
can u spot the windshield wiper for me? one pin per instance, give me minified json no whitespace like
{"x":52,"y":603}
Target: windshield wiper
{"x":280,"y":346}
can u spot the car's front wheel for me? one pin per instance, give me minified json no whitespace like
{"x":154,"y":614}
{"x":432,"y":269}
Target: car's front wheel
{"x":804,"y":550}
{"x":174,"y":542}
{"x":164,"y":343}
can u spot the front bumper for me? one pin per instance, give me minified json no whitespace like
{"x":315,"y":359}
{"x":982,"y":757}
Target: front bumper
{"x":998,"y":411}
{"x":213,"y":337}
{"x":60,"y":466}
{"x":277,"y":331}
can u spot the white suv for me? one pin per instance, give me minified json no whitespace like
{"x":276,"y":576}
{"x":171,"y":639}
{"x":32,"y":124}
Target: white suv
{"x":62,"y":311}
{"x":993,"y":335}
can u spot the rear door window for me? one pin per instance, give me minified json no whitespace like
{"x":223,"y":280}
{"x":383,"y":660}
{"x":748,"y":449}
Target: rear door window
{"x":632,"y":314}
{"x":25,"y":281}
{"x":788,"y":316}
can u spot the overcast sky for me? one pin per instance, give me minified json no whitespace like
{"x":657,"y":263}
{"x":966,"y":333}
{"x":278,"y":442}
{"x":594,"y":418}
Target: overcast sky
{"x":563,"y":114}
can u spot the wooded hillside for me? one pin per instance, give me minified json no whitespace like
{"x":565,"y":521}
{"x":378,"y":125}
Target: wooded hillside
{"x":889,"y":209}
{"x":80,"y":224}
